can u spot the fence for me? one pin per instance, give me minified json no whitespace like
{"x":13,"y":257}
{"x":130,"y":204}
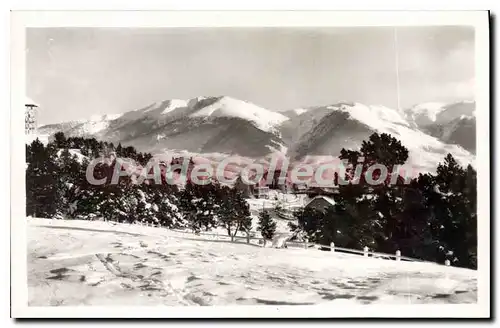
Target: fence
{"x":306,"y":245}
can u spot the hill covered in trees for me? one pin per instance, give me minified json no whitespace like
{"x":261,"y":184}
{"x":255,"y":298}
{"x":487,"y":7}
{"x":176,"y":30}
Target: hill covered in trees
{"x":433,"y":217}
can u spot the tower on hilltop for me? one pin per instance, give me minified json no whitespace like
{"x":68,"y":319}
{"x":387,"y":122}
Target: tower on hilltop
{"x":30,"y":118}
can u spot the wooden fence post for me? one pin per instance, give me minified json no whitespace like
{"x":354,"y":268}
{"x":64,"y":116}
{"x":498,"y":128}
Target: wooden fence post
{"x":365,"y":251}
{"x":332,"y":246}
{"x":398,"y":255}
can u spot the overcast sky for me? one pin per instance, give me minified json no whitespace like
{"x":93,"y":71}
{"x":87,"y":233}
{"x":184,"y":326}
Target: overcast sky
{"x":75,"y":73}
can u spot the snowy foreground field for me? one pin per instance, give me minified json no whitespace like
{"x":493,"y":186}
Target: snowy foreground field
{"x":99,"y":263}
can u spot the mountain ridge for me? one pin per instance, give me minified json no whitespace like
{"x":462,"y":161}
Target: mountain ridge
{"x":231,"y":126}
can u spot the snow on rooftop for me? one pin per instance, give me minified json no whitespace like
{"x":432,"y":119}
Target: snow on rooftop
{"x":330,"y":200}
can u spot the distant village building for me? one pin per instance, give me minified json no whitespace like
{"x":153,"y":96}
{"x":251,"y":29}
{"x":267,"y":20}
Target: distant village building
{"x":321,"y":203}
{"x":315,"y":190}
{"x":299,"y":188}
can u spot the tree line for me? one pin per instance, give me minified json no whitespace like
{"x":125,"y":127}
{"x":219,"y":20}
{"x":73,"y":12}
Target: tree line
{"x":56,"y":186}
{"x":434,"y":217}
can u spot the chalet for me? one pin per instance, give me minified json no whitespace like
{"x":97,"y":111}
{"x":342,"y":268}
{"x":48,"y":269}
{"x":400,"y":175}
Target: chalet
{"x":321,"y":203}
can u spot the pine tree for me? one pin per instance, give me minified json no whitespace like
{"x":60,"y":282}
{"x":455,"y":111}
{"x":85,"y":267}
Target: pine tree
{"x":226,"y":210}
{"x":119,"y":150}
{"x":68,"y":176}
{"x":199,"y":205}
{"x":233,"y":211}
{"x":309,"y":222}
{"x":41,"y":181}
{"x":242,"y":187}
{"x":373,"y":209}
{"x":266,"y":225}
{"x":60,"y":140}
{"x":455,"y":212}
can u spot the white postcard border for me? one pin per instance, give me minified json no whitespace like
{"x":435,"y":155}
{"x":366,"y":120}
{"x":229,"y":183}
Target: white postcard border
{"x":22,"y":19}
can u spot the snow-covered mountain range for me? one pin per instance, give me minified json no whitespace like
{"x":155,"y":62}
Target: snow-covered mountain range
{"x":226,"y":125}
{"x":453,"y":123}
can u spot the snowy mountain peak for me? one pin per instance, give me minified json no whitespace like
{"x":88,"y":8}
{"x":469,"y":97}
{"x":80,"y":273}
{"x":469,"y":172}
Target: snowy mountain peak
{"x":226,"y":106}
{"x":174,"y":104}
{"x":376,"y":116}
{"x":439,"y":113}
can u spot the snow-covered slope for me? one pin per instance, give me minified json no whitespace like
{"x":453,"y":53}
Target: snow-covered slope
{"x":346,"y":125}
{"x":453,"y":123}
{"x":460,"y":131}
{"x":80,"y":128}
{"x":424,"y":113}
{"x":76,"y":262}
{"x":263,"y":119}
{"x":439,"y":113}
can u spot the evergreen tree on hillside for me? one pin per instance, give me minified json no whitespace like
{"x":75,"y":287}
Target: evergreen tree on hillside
{"x":384,"y":149}
{"x":60,"y":140}
{"x":242,"y":187}
{"x":334,"y":226}
{"x":233,"y":211}
{"x":67,"y":182}
{"x":119,"y":150}
{"x":359,"y":225}
{"x":266,"y":225}
{"x":453,"y":203}
{"x":199,"y":205}
{"x":412,"y":226}
{"x":242,"y":218}
{"x":97,"y":200}
{"x":41,"y":181}
{"x":373,"y":209}
{"x":226,"y":211}
{"x":309,"y":222}
{"x":163,"y":207}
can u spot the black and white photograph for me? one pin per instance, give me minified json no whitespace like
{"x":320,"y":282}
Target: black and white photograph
{"x":331,"y":164}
